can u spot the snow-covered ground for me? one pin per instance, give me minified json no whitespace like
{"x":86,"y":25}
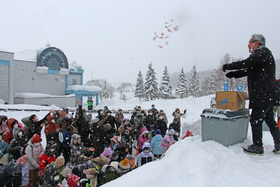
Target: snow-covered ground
{"x":190,"y":162}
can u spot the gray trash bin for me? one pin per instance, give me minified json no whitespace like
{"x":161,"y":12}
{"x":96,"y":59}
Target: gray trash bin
{"x":224,"y":126}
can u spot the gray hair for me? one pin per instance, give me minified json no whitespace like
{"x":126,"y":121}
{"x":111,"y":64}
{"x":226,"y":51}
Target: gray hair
{"x":258,"y":37}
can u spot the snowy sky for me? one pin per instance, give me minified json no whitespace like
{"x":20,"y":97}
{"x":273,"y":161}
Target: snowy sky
{"x":113,"y":39}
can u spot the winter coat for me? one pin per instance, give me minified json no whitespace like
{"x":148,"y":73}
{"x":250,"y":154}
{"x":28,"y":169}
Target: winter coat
{"x":45,"y":160}
{"x":8,"y":135}
{"x":155,"y":145}
{"x":25,"y":175}
{"x":119,"y":117}
{"x":108,"y":153}
{"x":138,"y":120}
{"x":33,"y":153}
{"x":72,"y":180}
{"x":164,"y":118}
{"x":110,"y":174}
{"x":112,"y":121}
{"x":50,"y":172}
{"x":162,"y":126}
{"x":77,"y":151}
{"x":3,"y":127}
{"x":11,"y":175}
{"x":149,"y":120}
{"x":166,"y":143}
{"x":17,"y":145}
{"x":176,"y":127}
{"x":178,"y":115}
{"x":141,"y":139}
{"x":34,"y":127}
{"x":259,"y":68}
{"x":51,"y":127}
{"x":79,"y":169}
{"x":143,"y":157}
{"x":3,"y":148}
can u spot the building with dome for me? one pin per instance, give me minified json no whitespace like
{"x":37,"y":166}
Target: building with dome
{"x":42,"y":77}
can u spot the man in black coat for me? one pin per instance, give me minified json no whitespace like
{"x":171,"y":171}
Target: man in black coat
{"x":36,"y":125}
{"x":259,"y":68}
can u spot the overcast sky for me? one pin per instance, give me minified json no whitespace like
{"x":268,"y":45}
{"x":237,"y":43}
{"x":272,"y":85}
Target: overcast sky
{"x":113,"y":39}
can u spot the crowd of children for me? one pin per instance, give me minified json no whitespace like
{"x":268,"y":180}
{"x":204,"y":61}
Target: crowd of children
{"x":81,"y":151}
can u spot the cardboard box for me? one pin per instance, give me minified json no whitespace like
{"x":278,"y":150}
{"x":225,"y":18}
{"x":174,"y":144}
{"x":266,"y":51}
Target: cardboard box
{"x":231,"y":100}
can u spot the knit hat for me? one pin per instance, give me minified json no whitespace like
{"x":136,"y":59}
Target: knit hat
{"x":36,"y":138}
{"x":107,"y":127}
{"x":171,"y":132}
{"x":130,"y":157}
{"x":90,"y":173}
{"x":66,"y":172}
{"x":125,"y":164}
{"x":101,"y":160}
{"x":158,"y":131}
{"x":59,"y":161}
{"x":22,"y":160}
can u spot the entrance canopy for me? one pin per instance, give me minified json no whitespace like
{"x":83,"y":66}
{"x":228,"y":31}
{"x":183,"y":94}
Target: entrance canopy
{"x":84,"y":91}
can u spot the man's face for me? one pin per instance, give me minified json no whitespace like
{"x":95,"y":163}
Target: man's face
{"x":252,"y":45}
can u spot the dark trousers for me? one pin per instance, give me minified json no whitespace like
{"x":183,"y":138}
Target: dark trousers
{"x":259,"y":115}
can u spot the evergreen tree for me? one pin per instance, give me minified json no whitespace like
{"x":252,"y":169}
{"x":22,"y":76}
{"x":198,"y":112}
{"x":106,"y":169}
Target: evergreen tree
{"x":211,"y":86}
{"x":194,"y":83}
{"x":181,"y":89}
{"x":165,"y":88}
{"x":139,"y":90}
{"x":151,"y":85}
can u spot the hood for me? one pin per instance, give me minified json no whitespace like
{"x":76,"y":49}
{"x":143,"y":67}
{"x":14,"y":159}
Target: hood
{"x":171,"y":132}
{"x":72,"y":180}
{"x":115,"y":139}
{"x":75,"y":138}
{"x":49,"y":119}
{"x":9,"y":123}
{"x":146,"y":144}
{"x":143,"y":130}
{"x":107,"y":152}
{"x":15,"y":133}
{"x":166,"y":140}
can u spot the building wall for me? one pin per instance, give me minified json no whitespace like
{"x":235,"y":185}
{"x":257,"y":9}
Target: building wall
{"x":28,"y":80}
{"x":6,"y":90}
{"x":60,"y":101}
{"x":74,"y":79}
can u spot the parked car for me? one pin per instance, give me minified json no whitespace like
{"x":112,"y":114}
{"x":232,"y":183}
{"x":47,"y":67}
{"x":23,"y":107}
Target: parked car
{"x":213,"y":102}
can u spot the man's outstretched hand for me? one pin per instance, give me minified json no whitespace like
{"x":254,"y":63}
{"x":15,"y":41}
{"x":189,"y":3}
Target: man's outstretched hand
{"x":225,"y":67}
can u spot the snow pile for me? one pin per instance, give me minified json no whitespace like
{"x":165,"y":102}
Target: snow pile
{"x":191,"y":162}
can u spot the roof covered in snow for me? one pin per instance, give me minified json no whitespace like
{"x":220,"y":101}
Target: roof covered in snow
{"x":84,"y":88}
{"x":28,"y":95}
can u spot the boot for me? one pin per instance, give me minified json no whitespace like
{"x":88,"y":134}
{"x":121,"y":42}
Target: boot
{"x":254,"y":150}
{"x":276,"y":149}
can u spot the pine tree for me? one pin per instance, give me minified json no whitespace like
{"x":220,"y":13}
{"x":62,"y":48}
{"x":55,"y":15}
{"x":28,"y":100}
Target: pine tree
{"x":181,"y":89}
{"x":151,"y":85}
{"x":194,"y":83}
{"x":165,"y":88}
{"x":139,"y":90}
{"x":211,"y":86}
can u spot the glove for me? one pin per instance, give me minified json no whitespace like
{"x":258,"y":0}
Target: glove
{"x":230,"y":75}
{"x":185,"y":111}
{"x":225,"y":67}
